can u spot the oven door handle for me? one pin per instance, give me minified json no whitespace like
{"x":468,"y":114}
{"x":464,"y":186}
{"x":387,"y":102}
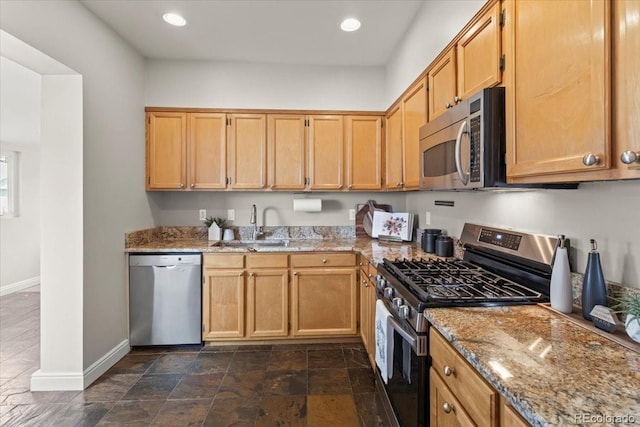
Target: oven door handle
{"x":464,"y":177}
{"x":404,"y":334}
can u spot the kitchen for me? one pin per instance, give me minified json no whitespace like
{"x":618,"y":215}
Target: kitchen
{"x":143,"y":83}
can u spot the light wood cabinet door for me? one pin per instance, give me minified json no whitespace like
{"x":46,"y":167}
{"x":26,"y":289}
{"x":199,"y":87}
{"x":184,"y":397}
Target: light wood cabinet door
{"x":364,"y":152}
{"x":442,"y":84}
{"x":393,"y":174}
{"x":223,"y":304}
{"x":247,"y":148}
{"x":324,"y":302}
{"x":166,"y":151}
{"x":478,"y":54}
{"x":268,"y":303}
{"x":368,"y":312}
{"x":445,"y":410}
{"x":558,"y":98}
{"x":510,"y":418}
{"x":326,"y":153}
{"x":414,"y":116}
{"x":287,"y":148}
{"x":207,"y":150}
{"x":626,"y":64}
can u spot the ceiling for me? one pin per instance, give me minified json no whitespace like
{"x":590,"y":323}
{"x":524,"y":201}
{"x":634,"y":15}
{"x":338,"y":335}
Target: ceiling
{"x":266,"y":31}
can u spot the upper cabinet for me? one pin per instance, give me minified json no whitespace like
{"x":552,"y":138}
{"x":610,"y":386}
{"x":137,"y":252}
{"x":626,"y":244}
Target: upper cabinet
{"x":207,"y":150}
{"x":326,"y":152}
{"x":247,"y":159}
{"x":558,"y":91}
{"x":414,"y":116}
{"x":472,"y":64}
{"x":393,"y":150}
{"x":166,"y":165}
{"x":363,"y":136}
{"x":287,"y":147}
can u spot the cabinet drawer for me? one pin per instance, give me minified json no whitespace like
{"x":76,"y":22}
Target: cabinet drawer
{"x":267,"y":261}
{"x":224,"y":260}
{"x":475,"y":394}
{"x":444,"y":408}
{"x":323,"y":260}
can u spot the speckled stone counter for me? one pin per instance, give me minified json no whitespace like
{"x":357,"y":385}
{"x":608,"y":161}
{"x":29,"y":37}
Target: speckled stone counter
{"x":552,"y":371}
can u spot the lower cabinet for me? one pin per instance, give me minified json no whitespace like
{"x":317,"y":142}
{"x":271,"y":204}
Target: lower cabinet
{"x":459,"y":395}
{"x":251,"y":296}
{"x":367,"y":308}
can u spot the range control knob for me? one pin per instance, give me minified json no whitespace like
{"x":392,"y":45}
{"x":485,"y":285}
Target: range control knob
{"x":397,"y":302}
{"x":381,"y":284}
{"x":403,"y":312}
{"x":388,"y":292}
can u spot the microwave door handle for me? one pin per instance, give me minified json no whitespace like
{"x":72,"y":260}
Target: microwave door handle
{"x":463,"y":176}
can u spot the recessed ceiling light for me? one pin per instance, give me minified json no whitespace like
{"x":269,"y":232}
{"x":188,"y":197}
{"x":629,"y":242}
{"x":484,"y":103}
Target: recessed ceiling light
{"x":350,"y":24}
{"x":174,"y":19}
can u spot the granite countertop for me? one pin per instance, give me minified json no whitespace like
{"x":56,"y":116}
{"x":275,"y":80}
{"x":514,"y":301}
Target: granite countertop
{"x":551,"y":370}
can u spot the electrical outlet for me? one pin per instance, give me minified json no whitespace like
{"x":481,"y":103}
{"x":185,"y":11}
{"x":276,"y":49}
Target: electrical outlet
{"x":231,"y":214}
{"x":203,"y":214}
{"x":352,"y":214}
{"x":427,"y":218}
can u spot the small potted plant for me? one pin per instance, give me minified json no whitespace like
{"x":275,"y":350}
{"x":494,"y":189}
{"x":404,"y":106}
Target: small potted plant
{"x":629,"y":304}
{"x":215,"y":226}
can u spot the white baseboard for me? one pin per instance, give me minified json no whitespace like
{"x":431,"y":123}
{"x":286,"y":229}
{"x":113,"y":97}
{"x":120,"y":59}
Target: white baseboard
{"x":58,"y":381}
{"x":18,"y":286}
{"x":103,"y":364}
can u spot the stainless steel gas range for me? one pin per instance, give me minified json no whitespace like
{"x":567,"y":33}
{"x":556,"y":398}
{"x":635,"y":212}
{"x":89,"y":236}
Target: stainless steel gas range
{"x":499,"y":267}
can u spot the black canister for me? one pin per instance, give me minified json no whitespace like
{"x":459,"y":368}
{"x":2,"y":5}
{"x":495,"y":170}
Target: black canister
{"x":429,"y":239}
{"x":444,"y":246}
{"x":594,"y":291}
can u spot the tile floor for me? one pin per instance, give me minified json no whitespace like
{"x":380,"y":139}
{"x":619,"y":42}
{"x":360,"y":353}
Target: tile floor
{"x":285,"y":385}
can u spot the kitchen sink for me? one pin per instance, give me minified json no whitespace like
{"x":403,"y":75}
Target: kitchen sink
{"x":253,"y":243}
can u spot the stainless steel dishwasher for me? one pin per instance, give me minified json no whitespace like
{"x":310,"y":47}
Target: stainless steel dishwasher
{"x":165,"y":299}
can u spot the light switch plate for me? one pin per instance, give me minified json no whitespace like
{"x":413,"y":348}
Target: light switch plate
{"x":352,"y":214}
{"x":427,"y":218}
{"x":203,"y":214}
{"x":231,"y":214}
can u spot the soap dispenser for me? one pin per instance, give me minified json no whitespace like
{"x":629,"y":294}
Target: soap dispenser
{"x":561,"y":292}
{"x":594,"y":291}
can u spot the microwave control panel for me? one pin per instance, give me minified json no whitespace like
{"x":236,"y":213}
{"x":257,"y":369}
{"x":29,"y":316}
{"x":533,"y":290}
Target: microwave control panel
{"x":475,"y":149}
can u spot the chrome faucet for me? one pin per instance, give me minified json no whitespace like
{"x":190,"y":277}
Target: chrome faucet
{"x":257,"y":231}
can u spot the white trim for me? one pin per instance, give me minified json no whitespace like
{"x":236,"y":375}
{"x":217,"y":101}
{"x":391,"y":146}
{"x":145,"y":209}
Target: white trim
{"x":18,"y":286}
{"x":58,"y":381}
{"x":103,"y":364}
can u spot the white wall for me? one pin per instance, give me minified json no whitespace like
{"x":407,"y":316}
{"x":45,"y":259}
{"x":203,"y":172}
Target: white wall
{"x":20,"y":93}
{"x":273,"y":208}
{"x":114,"y":200}
{"x":266,"y":86}
{"x":605,"y":211}
{"x":431,"y":30}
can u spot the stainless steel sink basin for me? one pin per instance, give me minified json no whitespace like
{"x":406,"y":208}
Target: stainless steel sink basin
{"x":253,"y":243}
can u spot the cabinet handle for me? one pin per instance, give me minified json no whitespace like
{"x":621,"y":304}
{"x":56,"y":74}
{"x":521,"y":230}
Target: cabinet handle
{"x":240,"y":274}
{"x":399,"y":184}
{"x":350,"y":186}
{"x":447,"y":407}
{"x":448,"y":105}
{"x":590,"y":159}
{"x":272,"y":186}
{"x":295,"y":273}
{"x":324,"y":261}
{"x":251,"y":274}
{"x":181,"y":185}
{"x":628,"y":157}
{"x":364,"y":282}
{"x":193,"y":186}
{"x":448,"y":371}
{"x":457,"y":99}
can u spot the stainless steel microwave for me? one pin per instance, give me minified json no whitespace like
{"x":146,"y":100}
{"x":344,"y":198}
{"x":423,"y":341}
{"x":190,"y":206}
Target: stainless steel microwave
{"x":464,"y":148}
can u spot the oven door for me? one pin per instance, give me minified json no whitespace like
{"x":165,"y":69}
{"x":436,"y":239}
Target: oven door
{"x":408,"y":388}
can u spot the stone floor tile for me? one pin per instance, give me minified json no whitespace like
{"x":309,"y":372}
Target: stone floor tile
{"x":332,"y":358}
{"x":172,"y":363}
{"x":250,"y":361}
{"x":24,"y":396}
{"x":132,"y":412}
{"x":356,"y":358}
{"x":371,"y":412}
{"x":153,"y":386}
{"x":235,"y":412}
{"x":203,"y":386}
{"x":285,"y":383}
{"x":332,"y":410}
{"x":362,"y":380}
{"x":288,"y":360}
{"x":329,"y":381}
{"x":133,"y":363}
{"x":37,"y":415}
{"x":218,"y":348}
{"x":282,"y":411}
{"x":108,"y":388}
{"x":258,"y":347}
{"x":248,"y":385}
{"x":82,"y":414}
{"x":182,"y":413}
{"x":211,"y":363}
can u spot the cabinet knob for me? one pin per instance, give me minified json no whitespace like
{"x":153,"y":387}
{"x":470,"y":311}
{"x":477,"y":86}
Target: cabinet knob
{"x":240,"y":274}
{"x":324,"y":261}
{"x":628,"y":157}
{"x":193,"y":185}
{"x":448,"y":371}
{"x":350,"y":186}
{"x":457,"y":99}
{"x":364,"y":282}
{"x":295,"y":273}
{"x":448,"y":105}
{"x":181,"y":185}
{"x":251,"y":274}
{"x":272,"y":186}
{"x":447,"y":407}
{"x":590,"y":159}
{"x":399,"y":184}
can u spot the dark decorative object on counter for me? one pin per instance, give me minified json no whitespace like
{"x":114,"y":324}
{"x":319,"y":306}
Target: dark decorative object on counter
{"x":429,"y":239}
{"x":594,"y":291}
{"x":444,"y":246}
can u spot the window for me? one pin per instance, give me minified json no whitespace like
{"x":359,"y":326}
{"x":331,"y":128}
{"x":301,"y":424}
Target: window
{"x":9,"y":184}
